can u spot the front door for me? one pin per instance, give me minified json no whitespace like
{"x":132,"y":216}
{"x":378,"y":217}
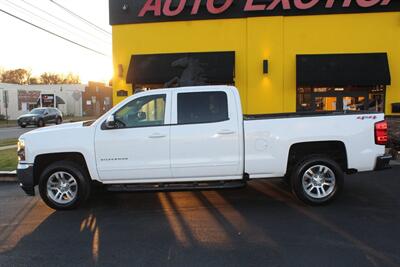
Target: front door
{"x":138,"y":149}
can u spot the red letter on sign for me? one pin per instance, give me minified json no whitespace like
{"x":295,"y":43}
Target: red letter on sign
{"x":385,"y":2}
{"x":148,"y":7}
{"x":367,"y":3}
{"x":196,"y":6}
{"x":285,"y":4}
{"x":300,"y":5}
{"x":346,"y":3}
{"x":217,"y":10}
{"x":329,"y":3}
{"x":167,"y":8}
{"x":250,"y":7}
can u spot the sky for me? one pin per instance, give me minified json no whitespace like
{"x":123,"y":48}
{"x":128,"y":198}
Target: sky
{"x":24,"y":46}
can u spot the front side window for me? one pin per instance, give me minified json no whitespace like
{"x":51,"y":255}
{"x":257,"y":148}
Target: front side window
{"x":202,"y":107}
{"x":143,"y":111}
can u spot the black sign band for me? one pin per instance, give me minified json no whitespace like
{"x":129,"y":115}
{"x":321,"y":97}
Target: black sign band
{"x":141,"y":11}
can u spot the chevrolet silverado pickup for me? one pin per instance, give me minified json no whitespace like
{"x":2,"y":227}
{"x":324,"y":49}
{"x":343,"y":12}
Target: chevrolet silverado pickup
{"x":196,"y":138}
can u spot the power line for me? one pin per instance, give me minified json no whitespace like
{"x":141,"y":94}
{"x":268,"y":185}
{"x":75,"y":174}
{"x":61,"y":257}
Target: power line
{"x":43,"y":19}
{"x":52,"y":33}
{"x":81,"y":18}
{"x":66,"y":22}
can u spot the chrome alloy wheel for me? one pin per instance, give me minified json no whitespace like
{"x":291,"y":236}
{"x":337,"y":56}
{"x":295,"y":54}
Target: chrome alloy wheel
{"x":62,"y":187}
{"x":318,"y":181}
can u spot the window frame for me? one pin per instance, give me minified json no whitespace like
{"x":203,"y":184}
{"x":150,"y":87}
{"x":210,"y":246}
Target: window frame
{"x":155,"y":96}
{"x":202,"y":122}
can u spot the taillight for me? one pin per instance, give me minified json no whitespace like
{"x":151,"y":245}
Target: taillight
{"x":381,"y":133}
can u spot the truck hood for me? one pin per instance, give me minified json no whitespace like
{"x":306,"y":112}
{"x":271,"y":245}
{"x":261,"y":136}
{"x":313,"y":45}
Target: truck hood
{"x":54,"y":129}
{"x":64,"y":138}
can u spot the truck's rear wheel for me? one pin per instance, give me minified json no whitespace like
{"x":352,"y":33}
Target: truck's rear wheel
{"x":64,"y":185}
{"x":317,"y":180}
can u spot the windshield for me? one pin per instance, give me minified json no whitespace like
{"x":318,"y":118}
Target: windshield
{"x":37,"y":111}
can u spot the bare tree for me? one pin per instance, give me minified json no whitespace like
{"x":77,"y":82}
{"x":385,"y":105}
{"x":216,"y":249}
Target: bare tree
{"x":17,"y":76}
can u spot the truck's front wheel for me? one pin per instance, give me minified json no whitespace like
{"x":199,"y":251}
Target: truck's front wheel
{"x":64,"y":185}
{"x":317,"y":180}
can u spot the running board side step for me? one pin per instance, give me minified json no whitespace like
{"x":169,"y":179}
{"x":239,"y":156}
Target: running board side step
{"x":143,"y":187}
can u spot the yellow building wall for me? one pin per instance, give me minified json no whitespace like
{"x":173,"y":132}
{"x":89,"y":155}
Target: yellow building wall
{"x":278,"y":39}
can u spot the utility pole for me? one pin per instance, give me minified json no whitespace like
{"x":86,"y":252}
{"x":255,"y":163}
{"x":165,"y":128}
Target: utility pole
{"x":1,"y":92}
{"x":5,"y":100}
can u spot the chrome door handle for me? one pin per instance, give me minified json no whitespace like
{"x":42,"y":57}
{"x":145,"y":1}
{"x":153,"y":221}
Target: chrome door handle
{"x":157,"y":135}
{"x":226,"y":132}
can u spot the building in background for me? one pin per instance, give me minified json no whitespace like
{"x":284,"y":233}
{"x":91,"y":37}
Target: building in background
{"x":282,"y":55}
{"x":23,"y":98}
{"x":97,"y":99}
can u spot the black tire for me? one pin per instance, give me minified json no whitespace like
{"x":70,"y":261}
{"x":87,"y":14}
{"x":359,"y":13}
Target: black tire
{"x":58,"y":120}
{"x":23,"y":126}
{"x":73,"y":169}
{"x":41,"y":123}
{"x":296,"y":180}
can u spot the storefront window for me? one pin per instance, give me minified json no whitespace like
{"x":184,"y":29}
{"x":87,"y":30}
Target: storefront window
{"x":354,"y":103}
{"x":350,"y":98}
{"x":325,"y":103}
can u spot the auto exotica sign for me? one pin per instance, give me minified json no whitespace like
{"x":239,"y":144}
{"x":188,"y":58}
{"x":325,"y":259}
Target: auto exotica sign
{"x":140,"y":11}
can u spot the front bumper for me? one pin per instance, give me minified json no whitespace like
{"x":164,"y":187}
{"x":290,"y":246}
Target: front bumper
{"x":25,"y":177}
{"x":382,"y":162}
{"x":26,"y":123}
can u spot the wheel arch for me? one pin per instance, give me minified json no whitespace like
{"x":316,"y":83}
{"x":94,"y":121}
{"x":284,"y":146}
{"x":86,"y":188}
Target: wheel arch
{"x":43,"y":160}
{"x":336,"y":150}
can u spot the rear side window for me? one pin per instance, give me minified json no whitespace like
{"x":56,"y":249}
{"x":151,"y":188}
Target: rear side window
{"x":202,"y":107}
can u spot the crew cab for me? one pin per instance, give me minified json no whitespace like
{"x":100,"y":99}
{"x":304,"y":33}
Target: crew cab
{"x":197,"y":137}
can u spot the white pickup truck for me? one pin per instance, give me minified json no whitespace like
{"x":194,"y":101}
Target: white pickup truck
{"x":197,"y":137}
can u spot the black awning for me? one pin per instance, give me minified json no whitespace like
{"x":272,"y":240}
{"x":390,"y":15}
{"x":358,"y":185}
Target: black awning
{"x":182,"y":69}
{"x":343,"y":70}
{"x":59,"y":100}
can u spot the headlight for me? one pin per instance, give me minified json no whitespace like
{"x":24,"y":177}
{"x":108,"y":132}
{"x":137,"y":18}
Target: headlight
{"x":21,"y":150}
{"x":33,"y":118}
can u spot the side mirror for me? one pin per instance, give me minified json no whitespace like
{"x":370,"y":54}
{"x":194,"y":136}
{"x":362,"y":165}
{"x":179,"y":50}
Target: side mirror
{"x":110,"y":122}
{"x":141,"y":115}
{"x":46,"y":113}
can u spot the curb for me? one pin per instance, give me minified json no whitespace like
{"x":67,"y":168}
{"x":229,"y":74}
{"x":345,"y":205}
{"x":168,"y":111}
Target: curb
{"x":8,"y":173}
{"x":8,"y":176}
{"x":8,"y":179}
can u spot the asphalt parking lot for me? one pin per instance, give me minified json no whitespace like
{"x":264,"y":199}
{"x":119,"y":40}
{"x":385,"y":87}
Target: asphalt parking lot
{"x":260,"y":225}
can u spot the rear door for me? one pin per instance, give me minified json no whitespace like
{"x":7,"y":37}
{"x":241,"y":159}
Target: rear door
{"x":205,"y":135}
